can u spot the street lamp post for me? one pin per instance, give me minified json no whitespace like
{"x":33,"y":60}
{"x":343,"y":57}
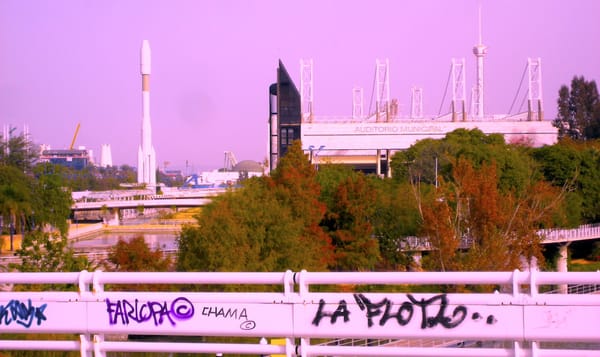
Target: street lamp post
{"x":314,"y":155}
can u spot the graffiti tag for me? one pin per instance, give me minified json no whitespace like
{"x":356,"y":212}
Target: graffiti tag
{"x":126,"y":312}
{"x":24,"y":314}
{"x":433,"y":312}
{"x":230,"y":313}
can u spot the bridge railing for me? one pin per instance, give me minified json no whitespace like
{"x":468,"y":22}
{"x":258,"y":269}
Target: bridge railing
{"x":585,"y":231}
{"x":551,"y":235}
{"x":304,"y":306}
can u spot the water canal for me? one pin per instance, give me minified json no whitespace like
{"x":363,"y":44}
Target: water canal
{"x":104,"y":241}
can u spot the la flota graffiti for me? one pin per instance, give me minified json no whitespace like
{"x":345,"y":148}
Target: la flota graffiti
{"x":431,"y":312}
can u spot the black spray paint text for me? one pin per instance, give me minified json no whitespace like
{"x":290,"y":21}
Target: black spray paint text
{"x":433,"y":312}
{"x":126,"y":312}
{"x":22,"y":313}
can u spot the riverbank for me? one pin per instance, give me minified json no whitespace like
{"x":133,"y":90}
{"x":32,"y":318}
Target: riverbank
{"x":82,"y":232}
{"x":79,"y":231}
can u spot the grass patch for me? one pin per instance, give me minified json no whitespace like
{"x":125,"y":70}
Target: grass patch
{"x":584,"y":265}
{"x":185,"y":214}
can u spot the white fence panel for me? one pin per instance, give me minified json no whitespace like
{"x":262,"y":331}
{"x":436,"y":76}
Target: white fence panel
{"x":517,"y":315}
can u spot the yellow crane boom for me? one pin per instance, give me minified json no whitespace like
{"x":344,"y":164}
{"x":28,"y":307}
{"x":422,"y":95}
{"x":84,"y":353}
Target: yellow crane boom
{"x":75,"y":136}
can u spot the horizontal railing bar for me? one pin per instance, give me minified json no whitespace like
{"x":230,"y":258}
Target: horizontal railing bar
{"x":265,"y":349}
{"x":191,"y":278}
{"x":381,"y":351}
{"x":447,"y":278}
{"x":309,"y":278}
{"x":40,"y":345}
{"x":143,"y":278}
{"x":190,"y":347}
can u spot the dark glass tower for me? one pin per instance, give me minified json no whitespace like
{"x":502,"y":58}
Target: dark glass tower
{"x":285,"y":116}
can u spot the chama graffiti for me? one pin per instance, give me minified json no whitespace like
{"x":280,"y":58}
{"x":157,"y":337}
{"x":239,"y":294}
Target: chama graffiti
{"x":24,"y":314}
{"x":431,"y":312}
{"x":126,"y":312}
{"x":230,"y":313}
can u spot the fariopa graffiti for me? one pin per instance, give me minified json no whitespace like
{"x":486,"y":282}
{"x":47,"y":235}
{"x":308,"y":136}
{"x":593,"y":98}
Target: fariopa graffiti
{"x":431,"y":312}
{"x":158,"y":312}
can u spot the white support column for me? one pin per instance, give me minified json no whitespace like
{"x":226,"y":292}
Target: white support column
{"x":562,"y":265}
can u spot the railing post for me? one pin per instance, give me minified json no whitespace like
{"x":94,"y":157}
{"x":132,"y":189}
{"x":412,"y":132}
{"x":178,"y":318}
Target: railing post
{"x":98,"y":340}
{"x":84,"y":346}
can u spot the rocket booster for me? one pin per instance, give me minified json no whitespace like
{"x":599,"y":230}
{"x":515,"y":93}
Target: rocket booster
{"x":146,"y":154}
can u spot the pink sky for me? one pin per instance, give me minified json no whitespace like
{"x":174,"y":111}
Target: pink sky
{"x":69,"y":61}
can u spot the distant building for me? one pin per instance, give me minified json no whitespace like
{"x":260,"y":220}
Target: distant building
{"x":75,"y":158}
{"x":106,"y":156}
{"x":368,"y":142}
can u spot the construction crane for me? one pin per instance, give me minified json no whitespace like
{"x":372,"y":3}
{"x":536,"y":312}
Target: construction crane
{"x":75,"y":136}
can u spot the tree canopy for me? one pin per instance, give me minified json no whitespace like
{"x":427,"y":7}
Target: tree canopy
{"x":578,"y":115}
{"x":269,"y":224}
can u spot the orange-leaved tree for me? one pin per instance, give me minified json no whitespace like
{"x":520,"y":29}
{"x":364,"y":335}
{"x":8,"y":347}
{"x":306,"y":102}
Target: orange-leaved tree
{"x":474,"y":225}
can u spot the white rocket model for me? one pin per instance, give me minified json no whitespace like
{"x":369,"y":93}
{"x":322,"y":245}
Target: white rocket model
{"x":146,"y":154}
{"x":479,"y":51}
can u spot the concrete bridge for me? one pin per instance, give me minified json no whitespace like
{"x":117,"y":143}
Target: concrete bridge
{"x":132,"y":199}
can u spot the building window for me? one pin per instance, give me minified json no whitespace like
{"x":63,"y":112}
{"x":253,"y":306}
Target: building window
{"x":287,"y":136}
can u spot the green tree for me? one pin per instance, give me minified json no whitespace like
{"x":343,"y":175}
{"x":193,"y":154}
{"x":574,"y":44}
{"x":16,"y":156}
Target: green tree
{"x":349,"y":223}
{"x":269,"y":224}
{"x":49,"y":252}
{"x":18,"y":151}
{"x":575,"y":166}
{"x":51,"y":200}
{"x":15,"y":199}
{"x":430,"y":160}
{"x":578,"y":110}
{"x":396,"y":217}
{"x":136,"y":255}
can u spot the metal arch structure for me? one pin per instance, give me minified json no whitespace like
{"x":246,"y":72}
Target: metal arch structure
{"x":357,"y":103}
{"x":534,"y":95}
{"x":293,"y":311}
{"x":306,"y":90}
{"x":458,"y":89}
{"x":416,"y":103}
{"x":382,"y":78}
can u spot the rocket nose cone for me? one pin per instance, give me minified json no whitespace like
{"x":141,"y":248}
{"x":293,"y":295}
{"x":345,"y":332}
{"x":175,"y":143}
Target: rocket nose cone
{"x":145,"y":57}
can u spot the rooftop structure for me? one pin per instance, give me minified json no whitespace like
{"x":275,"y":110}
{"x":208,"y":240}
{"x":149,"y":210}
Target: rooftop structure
{"x":73,"y":158}
{"x":367,"y":142}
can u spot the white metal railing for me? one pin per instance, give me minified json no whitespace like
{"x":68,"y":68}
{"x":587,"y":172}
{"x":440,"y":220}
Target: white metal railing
{"x":586,"y":231}
{"x":299,"y":307}
{"x":550,"y":235}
